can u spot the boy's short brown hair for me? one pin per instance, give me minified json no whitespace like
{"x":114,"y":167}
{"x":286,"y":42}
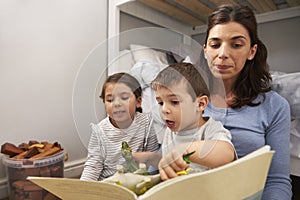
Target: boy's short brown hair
{"x":177,"y":72}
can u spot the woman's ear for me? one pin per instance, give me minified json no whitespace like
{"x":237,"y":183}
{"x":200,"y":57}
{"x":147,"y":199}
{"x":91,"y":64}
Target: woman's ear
{"x":252,"y":52}
{"x":202,"y":102}
{"x":204,"y":50}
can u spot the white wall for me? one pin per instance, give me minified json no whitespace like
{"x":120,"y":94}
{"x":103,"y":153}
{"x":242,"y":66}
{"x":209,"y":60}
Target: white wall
{"x":42,"y":46}
{"x":282,"y":40}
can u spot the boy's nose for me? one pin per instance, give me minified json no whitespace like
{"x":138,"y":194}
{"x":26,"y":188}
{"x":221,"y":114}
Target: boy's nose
{"x":165,"y":109}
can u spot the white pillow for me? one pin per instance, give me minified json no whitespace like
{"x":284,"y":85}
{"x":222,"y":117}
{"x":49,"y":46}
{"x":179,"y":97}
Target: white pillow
{"x":288,"y":86}
{"x":142,"y":53}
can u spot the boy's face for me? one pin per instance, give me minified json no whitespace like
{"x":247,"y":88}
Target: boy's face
{"x":177,"y":108}
{"x":120,"y":103}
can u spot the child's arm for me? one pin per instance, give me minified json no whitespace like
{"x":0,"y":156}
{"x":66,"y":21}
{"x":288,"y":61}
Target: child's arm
{"x":210,"y":153}
{"x":96,"y":153}
{"x":147,"y":157}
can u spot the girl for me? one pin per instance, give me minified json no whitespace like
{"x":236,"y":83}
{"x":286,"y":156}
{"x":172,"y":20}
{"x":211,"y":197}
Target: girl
{"x":122,"y":97}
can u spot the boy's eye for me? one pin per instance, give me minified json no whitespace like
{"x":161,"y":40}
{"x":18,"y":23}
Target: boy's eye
{"x":175,"y":102}
{"x":109,"y":100}
{"x":160,"y":103}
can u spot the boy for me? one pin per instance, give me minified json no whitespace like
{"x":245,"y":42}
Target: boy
{"x":182,"y":96}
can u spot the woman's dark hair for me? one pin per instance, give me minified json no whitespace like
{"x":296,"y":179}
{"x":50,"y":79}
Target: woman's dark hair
{"x":126,"y":79}
{"x":255,"y":77}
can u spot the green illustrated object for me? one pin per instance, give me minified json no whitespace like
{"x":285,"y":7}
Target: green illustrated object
{"x":135,"y":177}
{"x":186,"y":157}
{"x":137,"y":183}
{"x":131,"y":165}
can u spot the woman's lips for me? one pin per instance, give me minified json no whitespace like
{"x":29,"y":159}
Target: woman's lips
{"x":222,"y":67}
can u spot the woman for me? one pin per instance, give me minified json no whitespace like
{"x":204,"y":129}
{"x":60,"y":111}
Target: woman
{"x":254,"y":114}
{"x":246,"y":105}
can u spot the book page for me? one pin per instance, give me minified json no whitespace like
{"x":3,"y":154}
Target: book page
{"x":242,"y":179}
{"x":76,"y":189}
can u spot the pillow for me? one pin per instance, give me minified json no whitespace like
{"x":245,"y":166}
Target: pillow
{"x":288,"y":86}
{"x":142,"y":53}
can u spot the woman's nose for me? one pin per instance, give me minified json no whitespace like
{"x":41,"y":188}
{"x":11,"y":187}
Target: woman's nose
{"x":223,"y":51}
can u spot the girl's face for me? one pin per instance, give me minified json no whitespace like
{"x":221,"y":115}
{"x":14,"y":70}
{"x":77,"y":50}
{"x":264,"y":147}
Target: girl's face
{"x":177,"y":108}
{"x":227,"y":49}
{"x":120,"y":104}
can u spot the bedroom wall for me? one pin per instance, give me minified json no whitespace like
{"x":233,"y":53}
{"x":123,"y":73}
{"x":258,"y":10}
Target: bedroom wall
{"x":42,"y":46}
{"x":282,"y":40}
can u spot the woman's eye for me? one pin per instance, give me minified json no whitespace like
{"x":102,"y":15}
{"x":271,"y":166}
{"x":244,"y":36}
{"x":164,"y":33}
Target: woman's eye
{"x":237,"y":45}
{"x":214,"y":45}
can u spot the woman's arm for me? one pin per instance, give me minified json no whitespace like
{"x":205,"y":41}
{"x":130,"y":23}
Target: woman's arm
{"x":278,"y":184}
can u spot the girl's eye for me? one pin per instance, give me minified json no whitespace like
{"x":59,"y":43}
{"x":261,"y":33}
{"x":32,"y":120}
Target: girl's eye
{"x":125,"y":97}
{"x":109,"y":100}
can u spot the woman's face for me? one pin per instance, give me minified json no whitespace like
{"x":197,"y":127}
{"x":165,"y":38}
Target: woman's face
{"x":120,"y":103}
{"x":227,"y":49}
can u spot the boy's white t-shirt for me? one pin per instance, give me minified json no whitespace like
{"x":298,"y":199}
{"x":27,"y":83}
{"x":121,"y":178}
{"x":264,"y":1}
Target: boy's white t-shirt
{"x":211,"y":130}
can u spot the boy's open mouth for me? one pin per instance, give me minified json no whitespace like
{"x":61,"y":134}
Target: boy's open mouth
{"x":170,"y":123}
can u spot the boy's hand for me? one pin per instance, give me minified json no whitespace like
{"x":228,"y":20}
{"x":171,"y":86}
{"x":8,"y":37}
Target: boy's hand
{"x":172,"y":163}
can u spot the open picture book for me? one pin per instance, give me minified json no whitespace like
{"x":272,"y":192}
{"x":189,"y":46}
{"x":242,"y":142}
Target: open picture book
{"x":241,"y":179}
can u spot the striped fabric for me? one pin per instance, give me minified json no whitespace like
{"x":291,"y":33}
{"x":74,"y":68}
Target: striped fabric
{"x":104,"y":150}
